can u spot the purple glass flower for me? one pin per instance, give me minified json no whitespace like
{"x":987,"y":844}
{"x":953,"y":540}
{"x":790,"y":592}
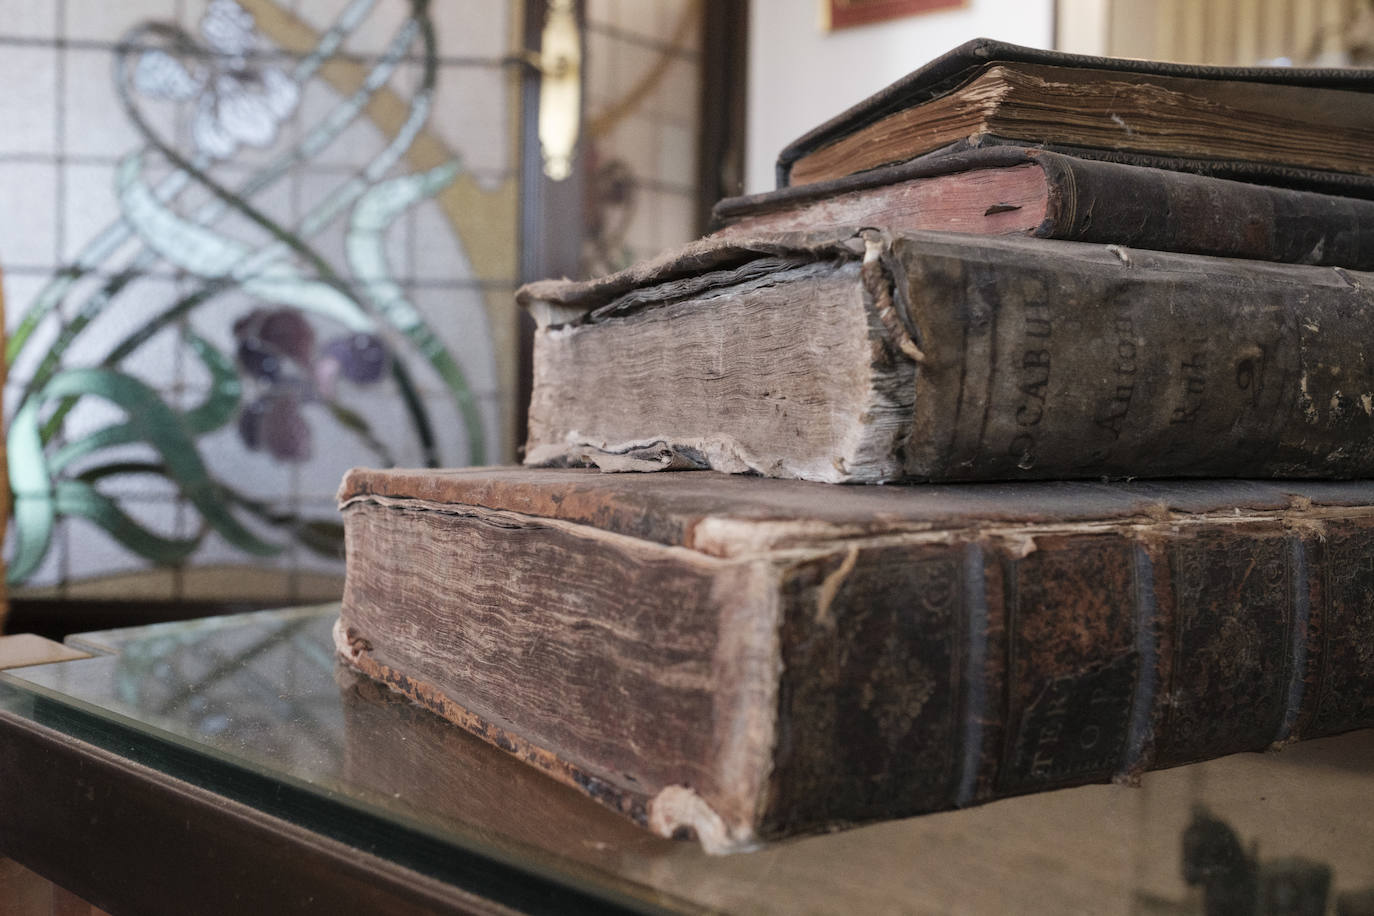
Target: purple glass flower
{"x":361,"y":357}
{"x":267,"y":339}
{"x":276,"y":351}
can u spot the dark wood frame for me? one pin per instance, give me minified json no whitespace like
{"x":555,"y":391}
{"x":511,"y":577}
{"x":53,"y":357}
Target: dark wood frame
{"x":724,"y":100}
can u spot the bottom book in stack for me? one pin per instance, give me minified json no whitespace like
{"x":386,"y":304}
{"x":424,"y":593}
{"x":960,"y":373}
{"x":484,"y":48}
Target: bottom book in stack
{"x":747,"y":659}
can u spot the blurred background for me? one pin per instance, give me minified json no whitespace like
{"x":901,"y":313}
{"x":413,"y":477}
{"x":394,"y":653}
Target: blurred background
{"x":248,"y":244}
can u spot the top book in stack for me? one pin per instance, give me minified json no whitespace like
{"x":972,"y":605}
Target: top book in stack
{"x":1307,"y":128}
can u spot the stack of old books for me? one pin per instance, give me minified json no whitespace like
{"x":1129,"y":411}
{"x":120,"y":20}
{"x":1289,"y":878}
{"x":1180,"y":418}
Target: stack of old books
{"x":1016,"y":283}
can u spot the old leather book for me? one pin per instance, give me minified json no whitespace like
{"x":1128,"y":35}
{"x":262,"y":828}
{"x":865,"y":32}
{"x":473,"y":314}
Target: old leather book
{"x":749,"y":659}
{"x":1010,"y":190}
{"x":941,"y":356}
{"x":1302,"y":127}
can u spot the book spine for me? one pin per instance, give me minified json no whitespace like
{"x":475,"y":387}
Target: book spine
{"x":1089,"y":199}
{"x":1061,"y":360}
{"x":1099,"y":201}
{"x":1297,"y":178}
{"x":943,"y":675}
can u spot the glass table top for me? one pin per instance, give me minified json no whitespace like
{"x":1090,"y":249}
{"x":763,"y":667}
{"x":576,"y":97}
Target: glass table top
{"x":255,"y":707}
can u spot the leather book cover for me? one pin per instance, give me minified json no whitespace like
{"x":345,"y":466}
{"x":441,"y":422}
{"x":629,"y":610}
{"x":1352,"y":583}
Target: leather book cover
{"x":1018,"y":190}
{"x":749,"y":659}
{"x":872,"y":358}
{"x":957,"y":66}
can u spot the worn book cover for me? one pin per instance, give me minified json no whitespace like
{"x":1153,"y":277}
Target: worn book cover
{"x":1312,"y":124}
{"x":748,"y":659}
{"x":1018,"y":190}
{"x":938,"y":356}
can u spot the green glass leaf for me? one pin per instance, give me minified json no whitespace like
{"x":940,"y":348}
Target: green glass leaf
{"x":35,"y":511}
{"x":218,"y":408}
{"x":221,"y":403}
{"x":148,"y":420}
{"x":74,"y":497}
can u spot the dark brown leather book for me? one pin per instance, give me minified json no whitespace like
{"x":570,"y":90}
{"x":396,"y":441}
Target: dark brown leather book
{"x":749,"y":659}
{"x":941,"y":356}
{"x":1303,"y":127}
{"x":1007,"y":190}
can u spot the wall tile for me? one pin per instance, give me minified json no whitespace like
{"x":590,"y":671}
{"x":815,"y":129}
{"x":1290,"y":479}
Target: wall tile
{"x":95,"y":122}
{"x":436,"y":252}
{"x":635,"y":140}
{"x":458,"y":316}
{"x":475,"y":126}
{"x":29,"y":102}
{"x":29,"y":20}
{"x":677,"y":97}
{"x":641,"y":19}
{"x":89,"y":205}
{"x":473,"y":28}
{"x":677,"y":157}
{"x":107,"y":22}
{"x":677,"y":219}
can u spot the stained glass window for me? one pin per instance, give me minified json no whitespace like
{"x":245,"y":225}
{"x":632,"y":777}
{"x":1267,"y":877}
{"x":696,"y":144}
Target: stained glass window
{"x":247,"y":244}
